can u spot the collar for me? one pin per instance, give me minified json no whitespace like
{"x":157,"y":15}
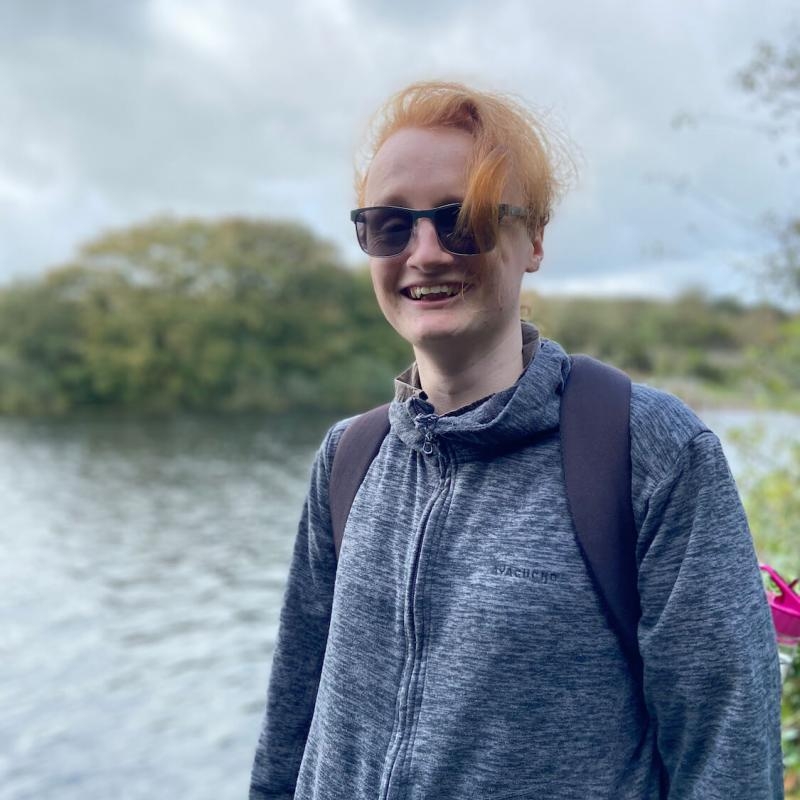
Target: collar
{"x":502,"y":422}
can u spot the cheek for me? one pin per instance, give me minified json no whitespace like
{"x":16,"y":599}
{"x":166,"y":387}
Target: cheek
{"x":480,"y":270}
{"x":378,"y":276}
{"x":493,"y":275}
{"x":381,"y":285}
{"x":501,"y":286}
{"x":512,"y":267}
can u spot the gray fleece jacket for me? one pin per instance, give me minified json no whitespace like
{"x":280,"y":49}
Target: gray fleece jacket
{"x":460,"y":650}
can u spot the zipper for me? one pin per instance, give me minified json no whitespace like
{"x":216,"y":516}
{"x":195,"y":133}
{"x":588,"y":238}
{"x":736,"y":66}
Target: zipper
{"x":399,"y":742}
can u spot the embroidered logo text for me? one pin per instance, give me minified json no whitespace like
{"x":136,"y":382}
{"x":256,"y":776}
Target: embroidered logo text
{"x":534,"y":575}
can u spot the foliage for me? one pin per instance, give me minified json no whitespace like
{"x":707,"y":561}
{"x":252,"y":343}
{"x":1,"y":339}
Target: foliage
{"x":783,"y":265}
{"x":730,"y":351}
{"x":772,"y":80}
{"x":790,"y":724}
{"x":773,"y":509}
{"x":189,"y":314}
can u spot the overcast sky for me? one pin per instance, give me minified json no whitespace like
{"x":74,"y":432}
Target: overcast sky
{"x":113,"y":112}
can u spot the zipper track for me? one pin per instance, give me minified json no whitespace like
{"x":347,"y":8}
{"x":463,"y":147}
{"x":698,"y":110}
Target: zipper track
{"x":398,"y":742}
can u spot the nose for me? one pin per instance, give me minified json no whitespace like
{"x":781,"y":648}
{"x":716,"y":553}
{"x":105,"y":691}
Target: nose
{"x":426,"y":249}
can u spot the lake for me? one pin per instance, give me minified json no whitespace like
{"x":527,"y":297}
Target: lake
{"x":142,"y":569}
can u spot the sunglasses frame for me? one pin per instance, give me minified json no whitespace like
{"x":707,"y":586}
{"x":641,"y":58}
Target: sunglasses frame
{"x":503,"y":210}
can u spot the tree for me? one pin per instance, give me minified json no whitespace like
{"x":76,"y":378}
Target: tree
{"x":772,"y":80}
{"x":231,"y":314}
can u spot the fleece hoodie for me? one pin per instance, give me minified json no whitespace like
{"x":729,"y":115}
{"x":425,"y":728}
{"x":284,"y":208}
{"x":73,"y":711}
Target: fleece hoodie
{"x":460,"y":651}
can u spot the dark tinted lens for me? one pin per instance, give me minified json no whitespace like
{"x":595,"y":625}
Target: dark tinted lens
{"x":383,"y":231}
{"x":454,"y":238}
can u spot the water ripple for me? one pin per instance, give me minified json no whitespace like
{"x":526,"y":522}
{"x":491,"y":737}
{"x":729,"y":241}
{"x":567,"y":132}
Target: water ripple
{"x":144,"y":564}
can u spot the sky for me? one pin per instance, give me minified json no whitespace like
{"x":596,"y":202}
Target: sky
{"x":112,"y":113}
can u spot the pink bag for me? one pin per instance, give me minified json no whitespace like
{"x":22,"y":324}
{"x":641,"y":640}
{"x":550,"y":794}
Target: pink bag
{"x":785,"y":607}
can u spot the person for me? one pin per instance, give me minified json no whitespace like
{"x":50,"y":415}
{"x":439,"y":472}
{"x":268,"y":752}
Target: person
{"x":458,"y":648}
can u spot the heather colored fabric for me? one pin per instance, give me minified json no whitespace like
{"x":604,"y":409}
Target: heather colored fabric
{"x":461,"y":652}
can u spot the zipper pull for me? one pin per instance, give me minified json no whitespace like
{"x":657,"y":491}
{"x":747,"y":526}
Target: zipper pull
{"x":428,"y":446}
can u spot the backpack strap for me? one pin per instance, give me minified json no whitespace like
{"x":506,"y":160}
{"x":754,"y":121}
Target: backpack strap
{"x":355,"y":452}
{"x":596,"y":454}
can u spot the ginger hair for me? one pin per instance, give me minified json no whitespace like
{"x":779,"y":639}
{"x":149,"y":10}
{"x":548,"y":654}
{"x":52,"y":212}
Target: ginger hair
{"x":510,"y":144}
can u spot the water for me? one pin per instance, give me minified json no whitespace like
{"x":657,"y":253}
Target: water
{"x":772,"y":429}
{"x":142,"y":569}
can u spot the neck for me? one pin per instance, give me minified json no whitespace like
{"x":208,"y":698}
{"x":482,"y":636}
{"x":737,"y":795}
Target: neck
{"x":452,"y":383}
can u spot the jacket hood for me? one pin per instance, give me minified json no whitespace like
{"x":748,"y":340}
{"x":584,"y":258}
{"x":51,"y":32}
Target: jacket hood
{"x":503,"y":421}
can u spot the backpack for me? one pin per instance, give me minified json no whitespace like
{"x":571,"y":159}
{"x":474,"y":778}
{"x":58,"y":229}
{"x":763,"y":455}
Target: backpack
{"x":595,"y":444}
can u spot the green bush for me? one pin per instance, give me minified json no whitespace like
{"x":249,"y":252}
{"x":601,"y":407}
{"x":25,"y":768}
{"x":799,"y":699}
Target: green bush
{"x":772,"y":502}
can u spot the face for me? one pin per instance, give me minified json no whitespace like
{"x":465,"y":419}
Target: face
{"x":425,"y":168}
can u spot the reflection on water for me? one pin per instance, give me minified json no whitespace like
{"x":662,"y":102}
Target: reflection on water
{"x":142,"y":569}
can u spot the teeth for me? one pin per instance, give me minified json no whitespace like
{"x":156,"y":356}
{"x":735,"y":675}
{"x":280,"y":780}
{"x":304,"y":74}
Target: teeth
{"x":417,"y":292}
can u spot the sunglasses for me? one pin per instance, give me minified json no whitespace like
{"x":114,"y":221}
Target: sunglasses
{"x":385,"y":231}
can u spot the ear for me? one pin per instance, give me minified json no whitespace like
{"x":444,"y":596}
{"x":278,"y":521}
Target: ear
{"x":536,"y":253}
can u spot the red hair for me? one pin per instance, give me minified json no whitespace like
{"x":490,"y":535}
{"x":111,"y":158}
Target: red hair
{"x":510,"y":142}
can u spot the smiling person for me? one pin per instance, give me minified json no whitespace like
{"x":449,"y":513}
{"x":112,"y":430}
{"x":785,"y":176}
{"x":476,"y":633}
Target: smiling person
{"x":449,"y":630}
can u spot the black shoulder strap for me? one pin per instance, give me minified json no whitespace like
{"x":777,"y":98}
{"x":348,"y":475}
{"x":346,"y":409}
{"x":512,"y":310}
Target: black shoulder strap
{"x":595,"y":443}
{"x":355,"y":452}
{"x":596,"y":453}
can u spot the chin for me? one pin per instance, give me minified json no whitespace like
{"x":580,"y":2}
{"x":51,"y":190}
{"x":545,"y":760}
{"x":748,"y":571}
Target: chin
{"x":437,"y":337}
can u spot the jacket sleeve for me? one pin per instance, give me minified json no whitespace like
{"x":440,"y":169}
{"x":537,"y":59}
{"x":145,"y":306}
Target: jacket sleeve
{"x":300,"y":648}
{"x":711,"y":676}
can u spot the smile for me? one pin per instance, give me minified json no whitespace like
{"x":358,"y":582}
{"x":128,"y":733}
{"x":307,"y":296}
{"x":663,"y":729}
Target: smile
{"x":437,"y":292}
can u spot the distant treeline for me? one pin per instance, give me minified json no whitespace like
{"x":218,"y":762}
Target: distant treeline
{"x":237,"y":314}
{"x":718,"y":348}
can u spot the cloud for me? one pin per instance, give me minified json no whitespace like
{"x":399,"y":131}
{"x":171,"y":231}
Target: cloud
{"x":116,"y":112}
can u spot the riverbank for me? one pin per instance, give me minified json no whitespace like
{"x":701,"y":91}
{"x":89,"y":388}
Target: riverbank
{"x":700,"y":396}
